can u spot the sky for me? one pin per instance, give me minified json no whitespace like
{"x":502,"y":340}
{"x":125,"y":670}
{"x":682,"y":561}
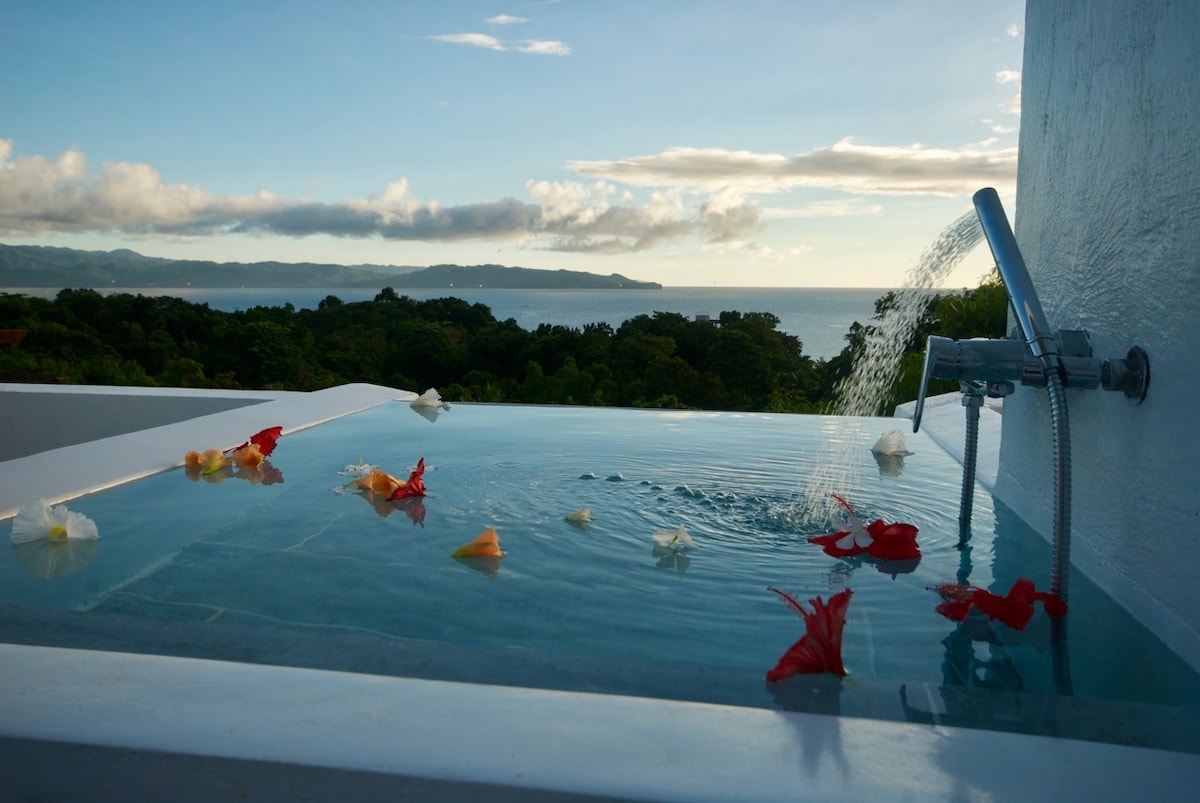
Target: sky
{"x":695,"y":143}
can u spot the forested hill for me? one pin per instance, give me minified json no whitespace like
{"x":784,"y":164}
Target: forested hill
{"x":737,"y":361}
{"x":41,"y":266}
{"x":516,"y":278}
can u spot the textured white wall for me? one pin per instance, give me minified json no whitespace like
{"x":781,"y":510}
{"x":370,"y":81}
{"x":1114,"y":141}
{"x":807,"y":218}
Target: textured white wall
{"x":1108,"y":219}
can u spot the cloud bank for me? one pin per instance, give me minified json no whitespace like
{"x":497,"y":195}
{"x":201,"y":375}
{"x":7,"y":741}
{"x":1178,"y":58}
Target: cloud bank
{"x":844,"y":166}
{"x":688,"y":192}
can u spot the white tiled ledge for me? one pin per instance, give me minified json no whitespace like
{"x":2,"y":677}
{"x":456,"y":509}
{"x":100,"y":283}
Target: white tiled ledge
{"x":610,"y":746}
{"x":69,"y":471}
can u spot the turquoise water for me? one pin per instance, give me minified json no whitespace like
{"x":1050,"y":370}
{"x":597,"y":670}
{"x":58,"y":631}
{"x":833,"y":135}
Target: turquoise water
{"x":303,"y":558}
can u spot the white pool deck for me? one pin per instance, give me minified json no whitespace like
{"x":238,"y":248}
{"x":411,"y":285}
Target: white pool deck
{"x":95,"y":725}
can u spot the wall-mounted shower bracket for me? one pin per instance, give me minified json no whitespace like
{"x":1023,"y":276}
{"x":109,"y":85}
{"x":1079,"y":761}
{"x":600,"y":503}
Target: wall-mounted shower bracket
{"x":1131,"y":375}
{"x":1007,"y":361}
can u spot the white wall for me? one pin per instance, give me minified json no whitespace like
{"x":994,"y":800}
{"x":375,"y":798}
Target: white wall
{"x":1108,"y":220}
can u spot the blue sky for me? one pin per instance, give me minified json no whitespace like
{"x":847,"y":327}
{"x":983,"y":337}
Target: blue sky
{"x":769,"y":144}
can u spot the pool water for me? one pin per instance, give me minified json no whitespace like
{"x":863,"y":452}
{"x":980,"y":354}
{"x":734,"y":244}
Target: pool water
{"x":305,"y":572}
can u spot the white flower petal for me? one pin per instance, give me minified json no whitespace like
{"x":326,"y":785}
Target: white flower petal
{"x":37,"y":520}
{"x":79,"y":527}
{"x":32,"y":522}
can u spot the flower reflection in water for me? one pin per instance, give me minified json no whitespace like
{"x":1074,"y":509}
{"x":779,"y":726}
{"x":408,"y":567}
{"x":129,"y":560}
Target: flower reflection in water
{"x":52,"y":541}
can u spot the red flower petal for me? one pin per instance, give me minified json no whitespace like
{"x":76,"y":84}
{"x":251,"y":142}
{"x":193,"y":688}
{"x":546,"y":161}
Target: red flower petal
{"x":955,"y":609}
{"x":1014,"y":612}
{"x":889,"y":542}
{"x":415,"y":485}
{"x":1052,"y":604}
{"x":265,"y":440}
{"x":820,"y":649}
{"x":893,"y":541}
{"x":829,"y":544}
{"x":1015,"y":608}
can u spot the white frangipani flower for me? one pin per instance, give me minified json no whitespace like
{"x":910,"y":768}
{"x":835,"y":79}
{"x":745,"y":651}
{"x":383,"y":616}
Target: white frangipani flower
{"x":891,"y":443}
{"x":678,"y":539}
{"x":38,"y":520}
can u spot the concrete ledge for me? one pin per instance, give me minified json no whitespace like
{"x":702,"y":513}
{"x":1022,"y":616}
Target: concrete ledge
{"x":460,"y":739}
{"x":39,"y":418}
{"x":147,"y":447}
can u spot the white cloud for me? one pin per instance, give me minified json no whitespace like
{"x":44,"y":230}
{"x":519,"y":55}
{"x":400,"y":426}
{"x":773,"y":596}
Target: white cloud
{"x":505,"y":19}
{"x":690,"y":193}
{"x":1013,"y":105}
{"x":544,"y":47}
{"x":571,"y":201}
{"x":473,"y":39}
{"x":1013,"y":31}
{"x":537,"y":47}
{"x":1008,"y":77}
{"x":40,"y":195}
{"x":844,"y":166}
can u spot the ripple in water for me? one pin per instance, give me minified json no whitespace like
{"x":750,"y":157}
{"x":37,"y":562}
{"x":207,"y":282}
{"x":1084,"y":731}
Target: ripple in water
{"x":861,"y":393}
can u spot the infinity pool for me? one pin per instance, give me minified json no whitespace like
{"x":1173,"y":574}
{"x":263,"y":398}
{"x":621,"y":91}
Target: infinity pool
{"x":302,"y":572}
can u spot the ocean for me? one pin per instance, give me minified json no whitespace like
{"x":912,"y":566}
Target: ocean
{"x":819,"y":317}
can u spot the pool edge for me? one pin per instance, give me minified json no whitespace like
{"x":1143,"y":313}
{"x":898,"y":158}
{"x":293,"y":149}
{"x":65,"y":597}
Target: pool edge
{"x":71,"y":471}
{"x":459,"y":738}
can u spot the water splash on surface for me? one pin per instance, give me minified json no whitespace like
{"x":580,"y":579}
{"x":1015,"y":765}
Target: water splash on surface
{"x":862,"y":392}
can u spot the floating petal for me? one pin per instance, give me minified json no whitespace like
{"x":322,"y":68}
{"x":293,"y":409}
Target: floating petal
{"x":264,"y":440}
{"x":892,"y":444}
{"x":820,"y":649}
{"x":889,"y":542}
{"x":674,"y":540}
{"x":380,"y":482}
{"x":415,"y":486}
{"x":485,"y":545}
{"x":430,"y":398}
{"x":38,"y":521}
{"x":249,"y":457}
{"x":1015,"y":608}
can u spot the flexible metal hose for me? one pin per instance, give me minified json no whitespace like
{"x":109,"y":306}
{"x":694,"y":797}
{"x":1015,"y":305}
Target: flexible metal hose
{"x":1060,"y":565}
{"x":970,"y":448}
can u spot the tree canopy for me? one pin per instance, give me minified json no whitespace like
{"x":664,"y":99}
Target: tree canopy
{"x":739,"y":361}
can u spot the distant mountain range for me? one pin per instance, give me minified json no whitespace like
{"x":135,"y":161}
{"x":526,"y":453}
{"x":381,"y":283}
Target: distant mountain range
{"x":44,"y":266}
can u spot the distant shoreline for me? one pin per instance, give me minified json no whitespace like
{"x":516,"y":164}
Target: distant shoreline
{"x":360,"y":287}
{"x":46,"y":266}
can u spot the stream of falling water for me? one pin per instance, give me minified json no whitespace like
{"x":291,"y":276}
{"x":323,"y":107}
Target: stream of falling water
{"x":860,"y":393}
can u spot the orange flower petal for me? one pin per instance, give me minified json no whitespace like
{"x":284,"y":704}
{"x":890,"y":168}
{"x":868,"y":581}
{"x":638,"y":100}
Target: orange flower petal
{"x":486,"y":545}
{"x":248,"y":456}
{"x":379,"y":482}
{"x":214,"y":460}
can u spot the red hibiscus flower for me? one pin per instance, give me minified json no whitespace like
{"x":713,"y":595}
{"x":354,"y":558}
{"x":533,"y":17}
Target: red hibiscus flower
{"x":1015,"y":608}
{"x":882,"y":541}
{"x":264,"y":440}
{"x":820,"y":649}
{"x":415,"y":485}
